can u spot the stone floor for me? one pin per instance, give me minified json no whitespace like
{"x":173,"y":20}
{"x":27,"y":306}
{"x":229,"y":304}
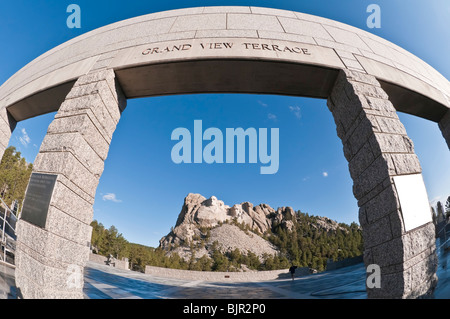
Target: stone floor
{"x":104,"y":282}
{"x":7,"y":282}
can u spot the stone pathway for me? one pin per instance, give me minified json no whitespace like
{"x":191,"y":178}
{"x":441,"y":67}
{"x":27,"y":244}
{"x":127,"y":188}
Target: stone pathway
{"x":106,"y":282}
{"x":103,"y":282}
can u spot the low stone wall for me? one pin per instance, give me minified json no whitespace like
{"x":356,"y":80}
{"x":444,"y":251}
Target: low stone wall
{"x":224,"y":276}
{"x":344,"y":263}
{"x":99,"y":259}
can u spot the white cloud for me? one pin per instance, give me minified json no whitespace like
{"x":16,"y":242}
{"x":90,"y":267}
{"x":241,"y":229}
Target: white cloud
{"x":296,"y":110}
{"x":111,"y":197}
{"x":24,"y":139}
{"x":325,"y":174}
{"x":262,"y":103}
{"x":271,"y":116}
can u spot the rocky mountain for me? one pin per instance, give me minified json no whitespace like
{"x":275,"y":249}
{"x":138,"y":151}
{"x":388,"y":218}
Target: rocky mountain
{"x":204,"y":224}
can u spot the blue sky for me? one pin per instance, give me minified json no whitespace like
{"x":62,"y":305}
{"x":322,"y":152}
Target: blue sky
{"x":141,"y":191}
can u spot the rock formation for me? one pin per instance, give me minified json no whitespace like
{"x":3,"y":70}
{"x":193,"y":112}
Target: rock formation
{"x":211,"y":220}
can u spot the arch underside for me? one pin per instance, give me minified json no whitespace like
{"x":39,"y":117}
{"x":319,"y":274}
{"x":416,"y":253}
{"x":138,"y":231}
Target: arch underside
{"x":228,"y":76}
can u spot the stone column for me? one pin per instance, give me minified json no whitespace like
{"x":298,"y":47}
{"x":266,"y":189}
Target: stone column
{"x":378,"y":149}
{"x":444,"y":125}
{"x":7,"y":125}
{"x":50,"y":260}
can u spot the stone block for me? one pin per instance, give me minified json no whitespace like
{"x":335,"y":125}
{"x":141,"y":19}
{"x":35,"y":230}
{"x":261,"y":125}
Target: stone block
{"x":107,"y":135}
{"x":7,"y":120}
{"x":391,"y":125}
{"x":382,"y":205}
{"x":353,"y":64}
{"x":71,"y":203}
{"x":93,"y":77}
{"x":361,"y":131}
{"x":66,"y":164}
{"x":97,"y":108}
{"x":136,"y":30}
{"x":368,"y":257}
{"x":377,"y":57}
{"x":49,"y":282}
{"x":107,"y":89}
{"x":376,"y":47}
{"x":271,"y":11}
{"x":84,"y":125}
{"x":77,"y":145}
{"x":48,"y":248}
{"x":397,"y":223}
{"x":215,"y":21}
{"x":201,"y":34}
{"x":346,"y":37}
{"x":406,"y":164}
{"x":5,"y":128}
{"x":174,"y":13}
{"x":377,"y":232}
{"x":66,"y":226}
{"x":393,"y":286}
{"x":389,"y":253}
{"x":253,"y":22}
{"x":382,"y":105}
{"x":360,"y":77}
{"x":337,"y":46}
{"x":362,"y":160}
{"x":423,"y":276}
{"x":373,"y":176}
{"x":359,"y":88}
{"x":346,"y":55}
{"x":305,"y":28}
{"x":4,"y":141}
{"x":391,"y":143}
{"x":419,"y":240}
{"x":286,"y":37}
{"x":226,"y":9}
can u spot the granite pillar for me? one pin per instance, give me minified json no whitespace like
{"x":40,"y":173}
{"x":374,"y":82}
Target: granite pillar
{"x":7,"y":125}
{"x":50,"y":260}
{"x":444,"y":125}
{"x":378,"y":150}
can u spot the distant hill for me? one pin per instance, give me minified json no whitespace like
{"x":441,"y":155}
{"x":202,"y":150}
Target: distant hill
{"x":209,"y":234}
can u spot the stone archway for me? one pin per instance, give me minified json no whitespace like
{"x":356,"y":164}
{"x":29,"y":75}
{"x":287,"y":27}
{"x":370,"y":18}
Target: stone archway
{"x":207,"y":50}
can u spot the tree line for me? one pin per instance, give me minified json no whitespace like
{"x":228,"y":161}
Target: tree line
{"x":14,"y":176}
{"x":441,"y":211}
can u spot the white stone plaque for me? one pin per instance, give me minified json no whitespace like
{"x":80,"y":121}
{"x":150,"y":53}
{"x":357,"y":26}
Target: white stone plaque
{"x":413,"y":200}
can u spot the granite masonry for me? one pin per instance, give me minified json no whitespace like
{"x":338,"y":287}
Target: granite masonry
{"x":364,"y":78}
{"x":75,"y":148}
{"x":377,"y":148}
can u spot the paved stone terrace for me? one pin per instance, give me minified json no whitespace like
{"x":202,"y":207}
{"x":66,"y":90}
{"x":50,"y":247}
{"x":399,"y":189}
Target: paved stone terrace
{"x":104,"y":282}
